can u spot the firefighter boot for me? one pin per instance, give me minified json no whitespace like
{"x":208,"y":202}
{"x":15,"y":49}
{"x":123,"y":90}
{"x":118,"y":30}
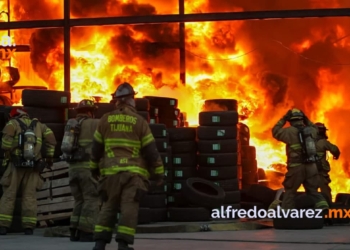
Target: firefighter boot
{"x":28,"y":231}
{"x":122,"y":245}
{"x":3,"y":230}
{"x":86,"y":237}
{"x":74,"y":234}
{"x":100,"y":245}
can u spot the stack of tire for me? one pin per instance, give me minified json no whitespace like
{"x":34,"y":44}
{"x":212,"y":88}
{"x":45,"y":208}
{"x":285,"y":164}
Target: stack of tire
{"x":219,"y":157}
{"x":153,"y":205}
{"x":164,"y":110}
{"x":143,"y":108}
{"x":102,"y":109}
{"x":183,"y":119}
{"x":51,"y":108}
{"x":249,"y":162}
{"x":184,"y":153}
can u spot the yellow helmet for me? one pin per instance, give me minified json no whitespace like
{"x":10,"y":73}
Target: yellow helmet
{"x":297,"y":114}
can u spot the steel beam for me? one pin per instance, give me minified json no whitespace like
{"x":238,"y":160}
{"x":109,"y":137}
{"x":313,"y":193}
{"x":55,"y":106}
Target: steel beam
{"x":202,"y":17}
{"x":67,"y":45}
{"x":182,"y":34}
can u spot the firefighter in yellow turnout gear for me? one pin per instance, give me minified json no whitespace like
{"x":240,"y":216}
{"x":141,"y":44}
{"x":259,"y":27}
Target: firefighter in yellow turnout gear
{"x":301,"y":157}
{"x":76,"y":148}
{"x":322,"y":146}
{"x":125,"y":141}
{"x":20,"y":135}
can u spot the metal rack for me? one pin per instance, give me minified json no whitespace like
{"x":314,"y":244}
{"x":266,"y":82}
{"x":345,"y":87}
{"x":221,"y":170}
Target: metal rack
{"x":67,"y":22}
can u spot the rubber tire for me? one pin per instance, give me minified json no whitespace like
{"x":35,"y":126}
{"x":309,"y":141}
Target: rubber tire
{"x":340,"y":220}
{"x":218,"y":146}
{"x":262,"y":194}
{"x":170,"y":123}
{"x":230,"y":216}
{"x":232,"y":197}
{"x":162,"y":102}
{"x":248,"y":152}
{"x":154,"y":111}
{"x":47,"y":115}
{"x":218,"y":118}
{"x":57,"y":129}
{"x":222,"y":104}
{"x":162,"y":144}
{"x":249,"y":178}
{"x":145,"y":115}
{"x":218,"y":160}
{"x":244,"y":130}
{"x":192,"y":191}
{"x":251,"y":205}
{"x":190,"y":214}
{"x":177,"y":186}
{"x":165,"y":159}
{"x":103,"y":108}
{"x":343,"y":198}
{"x":153,"y":201}
{"x":184,"y":160}
{"x":182,"y":134}
{"x":218,"y":173}
{"x":142,"y":104}
{"x":45,"y":98}
{"x":159,"y":214}
{"x":298,"y":223}
{"x":158,"y":130}
{"x":304,"y":201}
{"x":179,"y":147}
{"x":217,"y":133}
{"x":183,"y":173}
{"x":154,"y":120}
{"x":228,"y":185}
{"x":145,"y":216}
{"x":249,"y":165}
{"x":177,"y":200}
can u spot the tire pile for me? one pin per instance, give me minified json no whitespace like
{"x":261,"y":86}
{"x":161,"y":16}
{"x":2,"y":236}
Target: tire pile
{"x":143,"y":108}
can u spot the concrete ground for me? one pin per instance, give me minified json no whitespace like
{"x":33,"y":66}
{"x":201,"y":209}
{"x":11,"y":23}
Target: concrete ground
{"x":328,"y":238}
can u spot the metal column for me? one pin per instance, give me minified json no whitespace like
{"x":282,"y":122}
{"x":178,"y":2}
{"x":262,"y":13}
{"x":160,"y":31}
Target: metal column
{"x":66,"y":45}
{"x":182,"y":34}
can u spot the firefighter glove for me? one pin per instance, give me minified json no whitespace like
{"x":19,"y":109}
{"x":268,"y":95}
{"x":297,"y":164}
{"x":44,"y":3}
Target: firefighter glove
{"x":49,"y":162}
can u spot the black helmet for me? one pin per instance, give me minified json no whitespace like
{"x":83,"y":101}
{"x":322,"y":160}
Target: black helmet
{"x":124,"y":90}
{"x":86,"y":104}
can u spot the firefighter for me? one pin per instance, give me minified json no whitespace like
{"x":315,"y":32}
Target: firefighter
{"x":301,"y":168}
{"x":23,"y":166}
{"x":76,"y":148}
{"x":322,"y":146}
{"x":123,"y":138}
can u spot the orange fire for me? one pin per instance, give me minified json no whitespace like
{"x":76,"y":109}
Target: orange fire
{"x":224,"y":60}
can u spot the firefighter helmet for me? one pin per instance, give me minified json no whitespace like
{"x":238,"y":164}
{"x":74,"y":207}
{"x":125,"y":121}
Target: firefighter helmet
{"x":296,"y":115}
{"x":124,"y":90}
{"x":16,"y":111}
{"x":86,"y":104}
{"x":321,"y":126}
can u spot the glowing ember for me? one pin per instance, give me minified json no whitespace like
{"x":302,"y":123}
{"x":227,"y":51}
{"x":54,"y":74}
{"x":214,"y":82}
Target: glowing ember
{"x":269,"y":66}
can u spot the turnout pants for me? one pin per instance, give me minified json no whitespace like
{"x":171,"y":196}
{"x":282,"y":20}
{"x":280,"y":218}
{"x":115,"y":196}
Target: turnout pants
{"x":122,"y":190}
{"x":324,"y":181}
{"x":26,"y":181}
{"x":306,"y":175}
{"x":86,"y":203}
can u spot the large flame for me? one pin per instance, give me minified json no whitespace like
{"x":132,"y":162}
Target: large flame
{"x":224,"y":60}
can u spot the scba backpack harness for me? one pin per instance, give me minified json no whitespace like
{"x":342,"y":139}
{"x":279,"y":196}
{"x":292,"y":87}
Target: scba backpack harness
{"x":26,"y":142}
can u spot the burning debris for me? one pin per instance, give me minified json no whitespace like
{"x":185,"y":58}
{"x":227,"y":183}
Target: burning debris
{"x":224,"y":60}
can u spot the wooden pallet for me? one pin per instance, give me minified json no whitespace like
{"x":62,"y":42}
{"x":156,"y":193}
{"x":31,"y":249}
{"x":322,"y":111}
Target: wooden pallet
{"x":60,"y":207}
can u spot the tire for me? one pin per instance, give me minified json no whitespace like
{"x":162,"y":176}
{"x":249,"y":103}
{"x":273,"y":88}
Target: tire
{"x":184,"y":160}
{"x":221,"y":104}
{"x":250,"y":165}
{"x":103,"y":108}
{"x":217,"y":133}
{"x":145,"y":216}
{"x":45,"y":98}
{"x":262,"y":194}
{"x":232,"y":197}
{"x":154,"y":189}
{"x":178,"y":113}
{"x":218,"y":160}
{"x":218,"y":146}
{"x":144,"y":115}
{"x":304,"y":201}
{"x":153,"y":201}
{"x":166,"y":159}
{"x":298,"y":223}
{"x":159,"y":214}
{"x":158,"y":130}
{"x":179,"y":147}
{"x":154,"y":111}
{"x":203,"y":193}
{"x":188,"y":214}
{"x":217,"y":173}
{"x":183,"y":173}
{"x":244,"y":130}
{"x":261,"y":174}
{"x":182,"y":134}
{"x":177,"y":200}
{"x":230,"y":215}
{"x":228,"y":185}
{"x":170,"y":123}
{"x":163,"y":102}
{"x":248,"y":152}
{"x":177,"y":185}
{"x":249,"y":178}
{"x":341,"y":220}
{"x":154,"y":120}
{"x":162,"y":144}
{"x":57,"y":129}
{"x":142,"y":104}
{"x":251,"y":205}
{"x":47,"y":115}
{"x":218,"y":118}
{"x":342,"y":198}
